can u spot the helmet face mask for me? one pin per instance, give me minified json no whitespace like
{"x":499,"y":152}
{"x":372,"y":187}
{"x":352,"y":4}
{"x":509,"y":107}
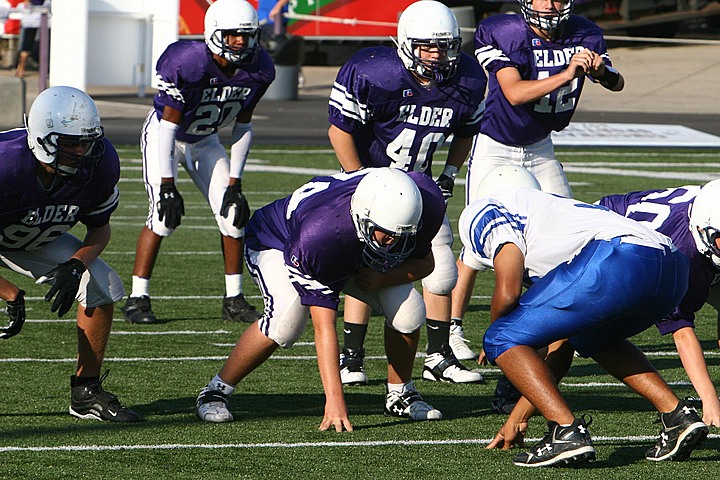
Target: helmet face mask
{"x":64,"y":132}
{"x":429,"y":26}
{"x":387,"y":201}
{"x":549,"y":22}
{"x":226,"y":18}
{"x":76,"y":158}
{"x":705,"y":220}
{"x":383,"y":257}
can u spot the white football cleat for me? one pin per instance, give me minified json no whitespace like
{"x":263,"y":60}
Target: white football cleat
{"x":459,"y":344}
{"x":211,"y":406}
{"x":444,"y":367}
{"x":410,"y":405}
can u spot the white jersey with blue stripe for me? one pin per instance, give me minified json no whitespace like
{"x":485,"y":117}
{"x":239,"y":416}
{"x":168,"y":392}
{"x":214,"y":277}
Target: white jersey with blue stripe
{"x":549,"y":230}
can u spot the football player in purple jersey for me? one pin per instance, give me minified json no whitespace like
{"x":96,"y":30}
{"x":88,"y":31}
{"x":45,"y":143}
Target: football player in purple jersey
{"x":366,"y":233}
{"x":203,"y":87}
{"x":597,"y":279}
{"x":690,"y":216}
{"x":56,"y":172}
{"x":536,"y":65}
{"x":396,"y":107}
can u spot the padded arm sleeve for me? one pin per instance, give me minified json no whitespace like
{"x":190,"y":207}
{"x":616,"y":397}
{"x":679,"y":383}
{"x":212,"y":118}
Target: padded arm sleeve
{"x":241,"y":140}
{"x":166,"y":148}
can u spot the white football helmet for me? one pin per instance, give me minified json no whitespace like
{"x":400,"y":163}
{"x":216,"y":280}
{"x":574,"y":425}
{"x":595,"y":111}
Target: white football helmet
{"x":232,"y":17}
{"x":386,"y":199}
{"x":432,"y":24}
{"x":64,"y":122}
{"x":506,"y":176}
{"x":705,"y":220}
{"x":549,"y":22}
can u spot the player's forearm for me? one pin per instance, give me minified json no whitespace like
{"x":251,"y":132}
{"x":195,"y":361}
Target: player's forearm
{"x":693,"y":361}
{"x":411,"y":270}
{"x":326,"y":346}
{"x":96,"y":239}
{"x":345,"y":150}
{"x":459,"y":151}
{"x":519,"y":92}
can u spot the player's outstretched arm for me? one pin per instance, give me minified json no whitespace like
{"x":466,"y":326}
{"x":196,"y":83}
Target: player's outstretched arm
{"x":693,"y":360}
{"x":328,"y":352}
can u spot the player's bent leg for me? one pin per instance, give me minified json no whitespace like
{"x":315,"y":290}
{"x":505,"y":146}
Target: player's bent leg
{"x":352,"y":357}
{"x":282,"y":324}
{"x":88,"y":399}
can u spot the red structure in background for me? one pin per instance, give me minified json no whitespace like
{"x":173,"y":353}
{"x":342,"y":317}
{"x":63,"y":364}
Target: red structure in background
{"x":367,"y":12}
{"x":12,"y":27}
{"x":192,"y":14}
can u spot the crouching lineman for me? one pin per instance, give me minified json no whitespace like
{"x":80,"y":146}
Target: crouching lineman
{"x":366,"y":233}
{"x":597,"y":279}
{"x":55,"y":173}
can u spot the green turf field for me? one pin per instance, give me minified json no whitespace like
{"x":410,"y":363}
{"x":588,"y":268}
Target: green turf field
{"x":159,"y":369}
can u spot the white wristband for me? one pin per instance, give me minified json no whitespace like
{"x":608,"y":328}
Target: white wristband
{"x":451,"y":171}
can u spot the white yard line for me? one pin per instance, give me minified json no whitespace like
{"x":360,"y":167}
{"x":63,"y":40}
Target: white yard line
{"x":293,"y":445}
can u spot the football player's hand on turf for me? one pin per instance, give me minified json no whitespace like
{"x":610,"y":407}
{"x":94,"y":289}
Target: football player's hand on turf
{"x":336,"y":416}
{"x":710,"y":413}
{"x":510,"y":434}
{"x":16,"y":311}
{"x":482,"y":359}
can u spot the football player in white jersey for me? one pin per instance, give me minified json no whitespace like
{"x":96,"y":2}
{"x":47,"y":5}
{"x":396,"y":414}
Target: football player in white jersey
{"x":536,"y":64}
{"x":596,"y":278}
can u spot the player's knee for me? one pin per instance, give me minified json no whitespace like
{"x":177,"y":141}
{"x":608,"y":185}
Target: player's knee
{"x":227,"y":228}
{"x":409,"y":315}
{"x":285,"y":338}
{"x":442,"y":280}
{"x":104,"y":286}
{"x":159,"y":228}
{"x":286,"y":325}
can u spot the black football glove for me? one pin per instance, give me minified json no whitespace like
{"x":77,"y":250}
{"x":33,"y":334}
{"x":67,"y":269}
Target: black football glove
{"x":16,"y":312}
{"x":234,"y":196}
{"x":446,"y":184}
{"x":170,"y":206}
{"x":65,"y":280}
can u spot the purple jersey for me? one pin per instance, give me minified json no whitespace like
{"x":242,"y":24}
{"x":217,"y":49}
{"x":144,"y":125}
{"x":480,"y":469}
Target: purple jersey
{"x":394,"y":120}
{"x":667,"y":212}
{"x":314,"y":230}
{"x":507,"y":41}
{"x":190,"y":81}
{"x":30,"y":216}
